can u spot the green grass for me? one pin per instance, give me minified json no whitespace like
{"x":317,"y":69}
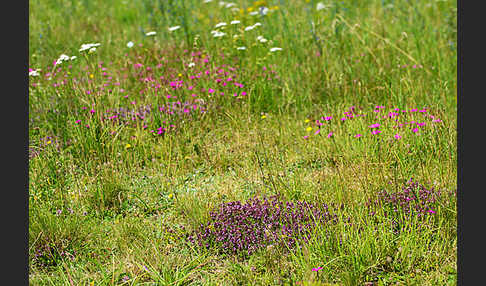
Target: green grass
{"x":114,"y":201}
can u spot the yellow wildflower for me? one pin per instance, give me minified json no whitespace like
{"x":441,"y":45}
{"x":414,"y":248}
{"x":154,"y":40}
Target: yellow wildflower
{"x":308,"y":129}
{"x":307,"y":120}
{"x":264,"y":116}
{"x":128,"y":146}
{"x":91,"y":76}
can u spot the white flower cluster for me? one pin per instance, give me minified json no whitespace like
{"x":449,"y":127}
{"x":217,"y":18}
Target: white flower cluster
{"x":90,"y":47}
{"x":275,"y":49}
{"x":62,"y":58}
{"x":217,"y":34}
{"x":226,"y":4}
{"x":321,"y":6}
{"x":34,"y":72}
{"x":222,"y":24}
{"x":261,"y":39}
{"x":253,"y":26}
{"x":174,"y":28}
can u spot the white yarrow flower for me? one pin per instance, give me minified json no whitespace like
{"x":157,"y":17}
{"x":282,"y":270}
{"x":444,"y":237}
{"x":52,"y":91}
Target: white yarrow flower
{"x":130,"y":44}
{"x":320,"y":6}
{"x":152,"y":33}
{"x":220,"y":24}
{"x":207,"y":1}
{"x":34,"y":72}
{"x":264,"y":10}
{"x":229,"y":5}
{"x":234,"y":22}
{"x":85,"y":47}
{"x":218,"y":34}
{"x":73,"y":58}
{"x":261,"y":39}
{"x":253,"y":26}
{"x":92,"y":50}
{"x":191,"y":64}
{"x":241,"y":48}
{"x":254,"y":13}
{"x":62,"y":58}
{"x":174,"y":28}
{"x":275,"y":49}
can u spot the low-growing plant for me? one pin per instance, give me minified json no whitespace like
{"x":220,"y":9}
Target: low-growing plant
{"x":244,"y":228}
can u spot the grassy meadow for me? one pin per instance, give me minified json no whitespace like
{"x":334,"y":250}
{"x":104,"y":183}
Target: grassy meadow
{"x":184,"y":142}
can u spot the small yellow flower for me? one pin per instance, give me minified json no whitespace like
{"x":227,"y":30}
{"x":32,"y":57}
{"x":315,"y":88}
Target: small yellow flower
{"x":179,"y":74}
{"x":307,"y":120}
{"x":170,"y":196}
{"x":91,"y":76}
{"x":49,"y":142}
{"x":260,"y":3}
{"x":128,"y":146}
{"x":264,"y":116}
{"x":308,"y":129}
{"x":250,"y":9}
{"x":274,"y":8}
{"x":91,"y":283}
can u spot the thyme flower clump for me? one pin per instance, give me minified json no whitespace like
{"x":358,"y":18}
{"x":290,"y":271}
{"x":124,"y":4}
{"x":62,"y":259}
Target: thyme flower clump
{"x":413,"y":203}
{"x":243,"y":228}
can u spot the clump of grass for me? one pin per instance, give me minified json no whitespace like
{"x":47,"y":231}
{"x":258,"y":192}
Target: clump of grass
{"x":244,"y":228}
{"x":55,"y":237}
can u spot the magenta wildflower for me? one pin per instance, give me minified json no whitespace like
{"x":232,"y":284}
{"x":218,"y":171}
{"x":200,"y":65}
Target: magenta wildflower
{"x":317,"y":132}
{"x":210,"y":90}
{"x":306,"y":136}
{"x":376,"y":125}
{"x":376,"y":131}
{"x":330,"y":134}
{"x":317,"y":269}
{"x":397,"y":136}
{"x":358,"y":135}
{"x":415,"y":130}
